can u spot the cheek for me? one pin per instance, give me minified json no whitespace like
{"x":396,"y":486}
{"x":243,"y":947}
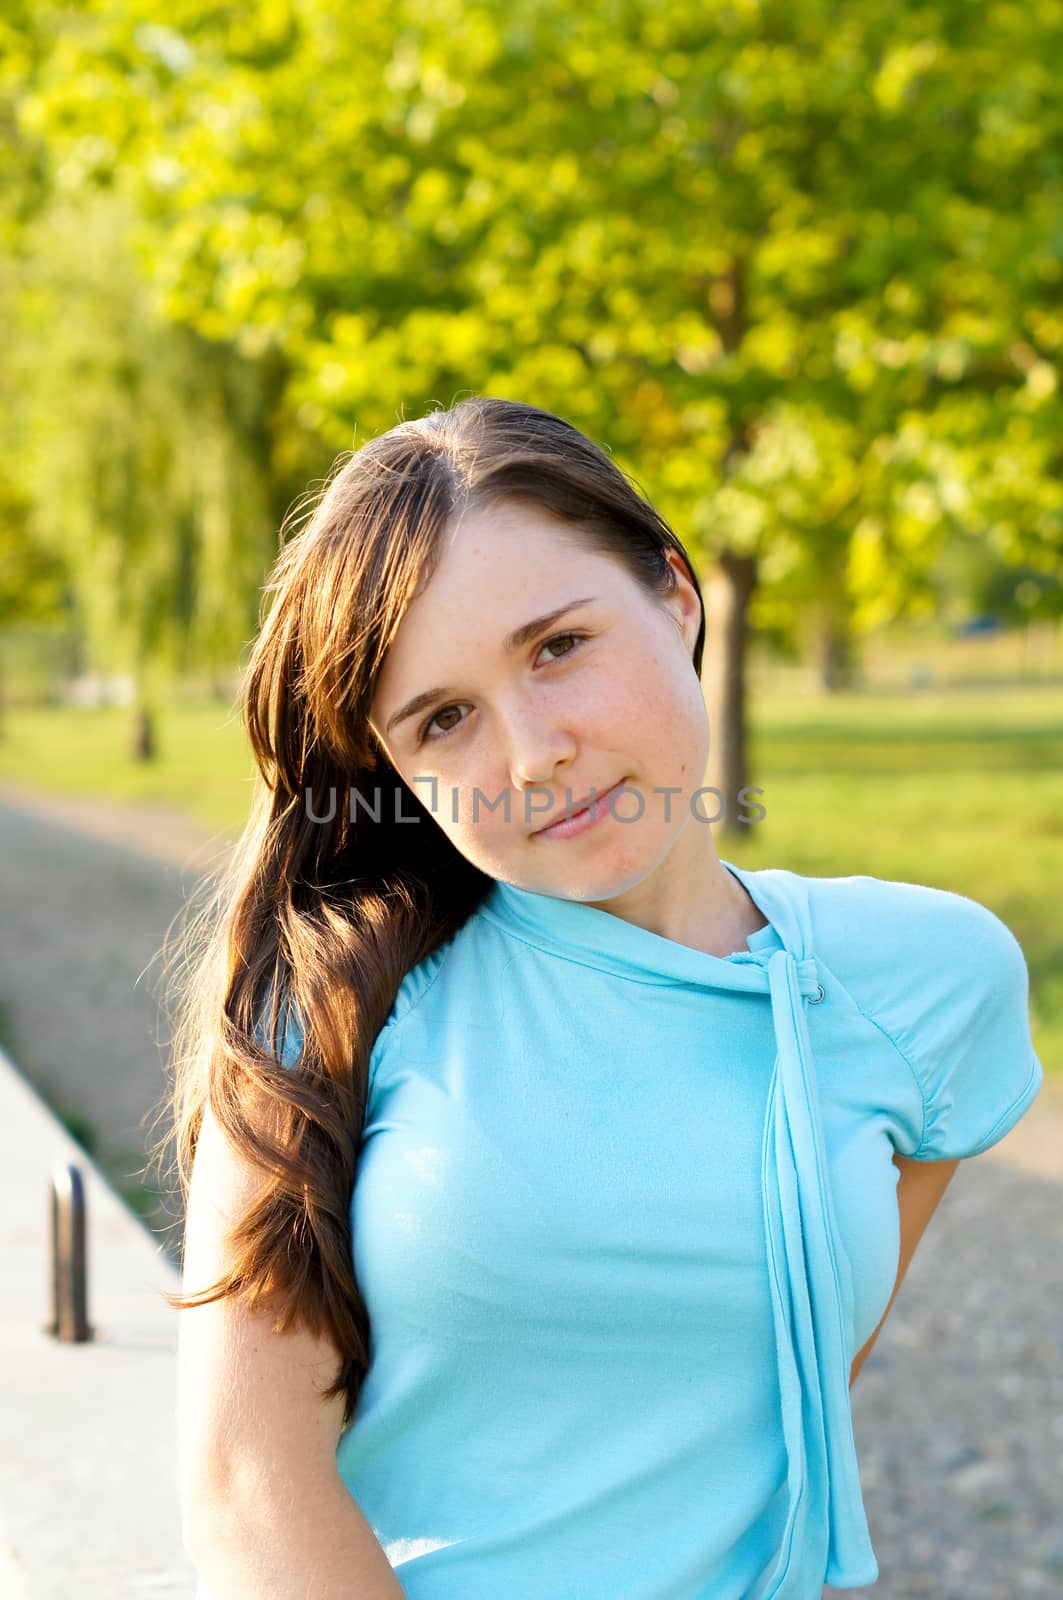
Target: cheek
{"x":471,"y":809}
{"x":628,"y":692}
{"x":661,"y":711}
{"x":641,"y":706}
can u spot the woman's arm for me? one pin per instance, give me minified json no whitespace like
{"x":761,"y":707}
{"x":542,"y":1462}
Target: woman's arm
{"x":264,"y":1509}
{"x":919,"y":1188}
{"x":310,"y":1541}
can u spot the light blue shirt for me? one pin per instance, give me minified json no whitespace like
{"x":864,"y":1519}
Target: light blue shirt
{"x":624,"y":1214}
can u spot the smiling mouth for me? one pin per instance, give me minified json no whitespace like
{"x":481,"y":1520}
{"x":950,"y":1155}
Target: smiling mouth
{"x":584,"y":805}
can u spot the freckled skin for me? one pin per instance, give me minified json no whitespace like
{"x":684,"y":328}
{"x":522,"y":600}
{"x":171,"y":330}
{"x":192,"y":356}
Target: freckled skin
{"x":619,"y":701}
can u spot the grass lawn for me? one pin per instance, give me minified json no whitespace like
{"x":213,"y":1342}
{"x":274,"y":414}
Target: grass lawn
{"x":203,"y":765}
{"x":959,"y":788}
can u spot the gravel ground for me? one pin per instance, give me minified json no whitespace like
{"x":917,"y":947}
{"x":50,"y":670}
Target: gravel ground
{"x":959,"y":1409}
{"x":89,"y":890}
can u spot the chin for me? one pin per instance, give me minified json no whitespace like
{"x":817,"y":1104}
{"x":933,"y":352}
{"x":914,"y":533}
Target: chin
{"x":598,"y":883}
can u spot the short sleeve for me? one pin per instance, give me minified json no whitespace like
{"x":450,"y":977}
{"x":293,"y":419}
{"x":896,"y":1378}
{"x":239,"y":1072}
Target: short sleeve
{"x":411,"y":991}
{"x":971,"y":1048}
{"x":381,"y":1046}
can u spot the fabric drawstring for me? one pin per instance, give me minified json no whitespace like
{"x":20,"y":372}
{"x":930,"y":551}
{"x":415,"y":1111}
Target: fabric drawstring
{"x":812,"y":1299}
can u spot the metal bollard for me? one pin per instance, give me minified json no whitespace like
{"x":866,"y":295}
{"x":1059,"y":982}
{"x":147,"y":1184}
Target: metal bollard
{"x":69,"y":1258}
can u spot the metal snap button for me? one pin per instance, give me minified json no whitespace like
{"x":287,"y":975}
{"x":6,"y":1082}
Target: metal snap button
{"x":814,"y":999}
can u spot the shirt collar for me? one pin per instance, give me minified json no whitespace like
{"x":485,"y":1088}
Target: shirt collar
{"x":593,"y":937}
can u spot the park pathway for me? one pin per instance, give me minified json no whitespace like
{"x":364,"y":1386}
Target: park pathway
{"x":959,"y":1410}
{"x":89,"y":889}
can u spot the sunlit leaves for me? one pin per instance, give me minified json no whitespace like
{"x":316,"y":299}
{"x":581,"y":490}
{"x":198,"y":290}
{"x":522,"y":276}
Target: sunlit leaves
{"x":745,"y":243}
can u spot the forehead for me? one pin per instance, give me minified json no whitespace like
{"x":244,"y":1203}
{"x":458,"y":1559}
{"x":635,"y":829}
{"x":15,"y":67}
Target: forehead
{"x":500,"y":566}
{"x":510,"y":538}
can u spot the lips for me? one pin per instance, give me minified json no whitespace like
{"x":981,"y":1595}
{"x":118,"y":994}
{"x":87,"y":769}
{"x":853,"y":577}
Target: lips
{"x":580,"y":805}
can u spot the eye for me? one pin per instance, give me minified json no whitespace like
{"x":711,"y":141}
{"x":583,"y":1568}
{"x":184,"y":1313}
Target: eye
{"x":424,"y":737}
{"x":557,"y":636}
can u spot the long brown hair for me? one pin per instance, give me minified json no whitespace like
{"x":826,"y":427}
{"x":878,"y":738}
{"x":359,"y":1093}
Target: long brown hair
{"x":326,"y":917}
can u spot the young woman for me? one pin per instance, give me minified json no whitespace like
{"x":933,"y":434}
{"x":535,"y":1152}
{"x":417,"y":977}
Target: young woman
{"x":552,"y":1175}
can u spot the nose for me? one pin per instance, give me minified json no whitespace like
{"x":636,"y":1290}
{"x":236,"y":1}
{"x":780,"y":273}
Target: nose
{"x":538,"y":746}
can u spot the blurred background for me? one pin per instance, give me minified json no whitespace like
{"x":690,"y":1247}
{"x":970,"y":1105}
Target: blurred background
{"x":798,"y":266}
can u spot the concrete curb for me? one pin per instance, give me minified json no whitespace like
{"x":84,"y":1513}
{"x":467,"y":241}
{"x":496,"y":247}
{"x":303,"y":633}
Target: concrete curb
{"x":88,"y":1469}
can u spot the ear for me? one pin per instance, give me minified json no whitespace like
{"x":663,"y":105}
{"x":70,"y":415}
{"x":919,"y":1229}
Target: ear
{"x":683,"y":602}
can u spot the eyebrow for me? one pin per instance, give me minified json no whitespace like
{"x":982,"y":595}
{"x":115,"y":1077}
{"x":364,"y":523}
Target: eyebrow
{"x":510,"y":644}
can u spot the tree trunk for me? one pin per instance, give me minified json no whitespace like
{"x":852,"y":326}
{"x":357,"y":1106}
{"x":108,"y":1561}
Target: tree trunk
{"x":833,"y":651}
{"x":728,"y":590}
{"x":727,"y":593}
{"x":144,"y":742}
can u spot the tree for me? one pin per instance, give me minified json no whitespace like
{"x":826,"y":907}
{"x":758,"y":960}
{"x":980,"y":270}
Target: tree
{"x":773,"y":254}
{"x":136,"y":458}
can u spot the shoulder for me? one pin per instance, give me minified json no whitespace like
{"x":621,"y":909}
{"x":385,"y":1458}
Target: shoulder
{"x":413,"y":988}
{"x":946,"y":980}
{"x":416,"y":985}
{"x":900,"y":946}
{"x":440,"y":979}
{"x":872,"y":929}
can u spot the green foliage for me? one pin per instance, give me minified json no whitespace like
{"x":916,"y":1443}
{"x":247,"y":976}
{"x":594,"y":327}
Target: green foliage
{"x":137,"y":456}
{"x":34,"y":583}
{"x":799,"y":264}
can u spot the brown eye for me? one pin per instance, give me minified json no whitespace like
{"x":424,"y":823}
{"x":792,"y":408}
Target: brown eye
{"x":554,"y":640}
{"x":424,"y":735}
{"x":433,"y":718}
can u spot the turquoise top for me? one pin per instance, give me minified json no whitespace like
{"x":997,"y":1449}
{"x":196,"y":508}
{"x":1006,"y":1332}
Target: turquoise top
{"x":624,"y":1214}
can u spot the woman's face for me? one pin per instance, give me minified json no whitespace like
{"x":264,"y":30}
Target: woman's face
{"x":606,"y":692}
